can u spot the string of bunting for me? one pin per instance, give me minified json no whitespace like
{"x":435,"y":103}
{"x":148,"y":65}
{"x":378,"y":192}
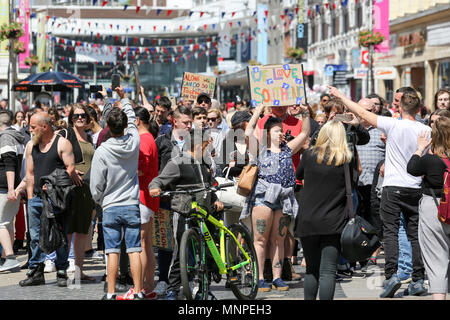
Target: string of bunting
{"x":317,"y":10}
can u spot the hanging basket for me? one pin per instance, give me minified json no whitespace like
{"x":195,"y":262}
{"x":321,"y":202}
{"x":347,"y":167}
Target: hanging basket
{"x":11,"y":31}
{"x":47,"y":66}
{"x":366,"y":38}
{"x":32,"y":61}
{"x":295,"y":53}
{"x":18,"y":47}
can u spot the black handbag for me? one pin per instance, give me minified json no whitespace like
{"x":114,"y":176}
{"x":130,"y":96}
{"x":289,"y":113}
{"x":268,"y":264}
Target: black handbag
{"x":359,"y":238}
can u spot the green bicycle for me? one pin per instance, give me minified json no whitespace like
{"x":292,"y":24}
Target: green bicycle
{"x":230,"y":252}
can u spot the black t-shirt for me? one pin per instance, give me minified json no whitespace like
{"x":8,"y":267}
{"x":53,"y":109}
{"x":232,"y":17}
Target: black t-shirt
{"x":432,"y":168}
{"x":322,"y":199}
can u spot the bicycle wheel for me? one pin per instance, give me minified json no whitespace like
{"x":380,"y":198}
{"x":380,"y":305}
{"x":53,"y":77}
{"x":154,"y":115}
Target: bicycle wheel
{"x":193,"y":269}
{"x":244,"y":280}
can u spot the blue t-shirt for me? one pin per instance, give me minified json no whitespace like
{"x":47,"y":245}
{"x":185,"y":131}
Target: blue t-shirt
{"x":277,"y":167}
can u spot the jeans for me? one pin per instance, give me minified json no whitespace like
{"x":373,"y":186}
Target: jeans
{"x":322,"y":254}
{"x":52,"y":256}
{"x":405,"y":267}
{"x":394,"y":201}
{"x":37,"y":255}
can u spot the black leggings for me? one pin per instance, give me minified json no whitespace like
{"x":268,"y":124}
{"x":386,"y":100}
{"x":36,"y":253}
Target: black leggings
{"x":322,"y":255}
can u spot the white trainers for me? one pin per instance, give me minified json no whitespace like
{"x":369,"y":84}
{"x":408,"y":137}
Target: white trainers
{"x":161,"y":288}
{"x":71,"y":265}
{"x":49,"y":266}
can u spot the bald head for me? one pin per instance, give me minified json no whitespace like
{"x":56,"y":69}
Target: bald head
{"x":41,"y":118}
{"x":367,"y":104}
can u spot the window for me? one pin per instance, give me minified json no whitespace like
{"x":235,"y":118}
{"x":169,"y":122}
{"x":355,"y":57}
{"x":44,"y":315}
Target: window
{"x":335,"y":25}
{"x":324,"y":30}
{"x":313,"y":32}
{"x":359,"y":16}
{"x":346,"y":21}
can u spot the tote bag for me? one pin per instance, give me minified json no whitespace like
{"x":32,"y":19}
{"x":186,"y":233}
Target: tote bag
{"x":229,"y":196}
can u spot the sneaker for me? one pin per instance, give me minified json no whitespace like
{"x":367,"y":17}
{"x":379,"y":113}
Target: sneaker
{"x":35,"y":277}
{"x":97,"y":256}
{"x":120,"y":287}
{"x":278,"y":284}
{"x":105,"y":297}
{"x":150,"y":295}
{"x":345,"y":274}
{"x":263,"y":286}
{"x":131,"y":295}
{"x":61,"y":278}
{"x":10,"y":264}
{"x":49,"y":266}
{"x":172,"y":295}
{"x":404,"y":278}
{"x":390,"y":286}
{"x":415,"y":288}
{"x":71,"y":265}
{"x":161,"y":288}
{"x":372,"y":263}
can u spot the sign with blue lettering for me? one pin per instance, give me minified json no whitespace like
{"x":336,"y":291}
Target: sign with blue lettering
{"x":277,"y":85}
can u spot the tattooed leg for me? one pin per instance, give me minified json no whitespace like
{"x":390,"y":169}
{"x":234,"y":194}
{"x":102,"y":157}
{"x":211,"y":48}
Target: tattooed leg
{"x":284,"y":222}
{"x":261,"y":226}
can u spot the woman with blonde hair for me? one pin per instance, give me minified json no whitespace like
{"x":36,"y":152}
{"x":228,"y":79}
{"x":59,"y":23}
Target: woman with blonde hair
{"x":434,"y":235}
{"x":322,"y":208}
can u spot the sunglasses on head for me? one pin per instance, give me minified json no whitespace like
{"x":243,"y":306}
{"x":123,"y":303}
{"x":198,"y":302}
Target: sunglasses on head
{"x":79,"y":115}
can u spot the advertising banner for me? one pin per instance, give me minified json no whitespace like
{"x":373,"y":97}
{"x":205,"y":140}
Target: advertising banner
{"x":276,"y":85}
{"x":381,"y":19}
{"x":24,"y":18}
{"x":103,"y":54}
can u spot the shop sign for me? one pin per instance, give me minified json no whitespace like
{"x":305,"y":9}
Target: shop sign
{"x":385,"y":73}
{"x":360,"y":73}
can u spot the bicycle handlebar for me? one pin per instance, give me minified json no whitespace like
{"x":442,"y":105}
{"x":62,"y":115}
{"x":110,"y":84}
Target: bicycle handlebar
{"x":214,"y":189}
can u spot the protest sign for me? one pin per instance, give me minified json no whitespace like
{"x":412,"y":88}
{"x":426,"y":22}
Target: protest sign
{"x":276,"y":85}
{"x":162,"y":236}
{"x":194,"y":84}
{"x":173,"y":101}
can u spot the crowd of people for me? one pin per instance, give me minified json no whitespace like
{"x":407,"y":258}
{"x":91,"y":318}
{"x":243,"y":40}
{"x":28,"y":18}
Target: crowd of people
{"x":100,"y":166}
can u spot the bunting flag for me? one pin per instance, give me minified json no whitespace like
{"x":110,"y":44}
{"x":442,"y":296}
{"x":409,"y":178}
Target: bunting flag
{"x":202,"y":13}
{"x":169,"y":12}
{"x":158,"y":11}
{"x":104,"y":3}
{"x":137,"y":9}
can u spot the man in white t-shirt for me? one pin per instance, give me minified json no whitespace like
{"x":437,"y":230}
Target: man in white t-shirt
{"x":401,"y":191}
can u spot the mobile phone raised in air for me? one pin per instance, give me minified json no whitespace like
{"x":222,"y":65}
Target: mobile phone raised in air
{"x":343,"y":117}
{"x":115,"y":81}
{"x":95,"y":88}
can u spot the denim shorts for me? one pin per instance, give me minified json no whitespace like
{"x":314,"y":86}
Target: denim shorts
{"x":259,"y":201}
{"x":118,"y":219}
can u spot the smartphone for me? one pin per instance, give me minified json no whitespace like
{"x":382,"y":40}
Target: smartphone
{"x":343,"y":117}
{"x":95,"y":88}
{"x":115,"y":81}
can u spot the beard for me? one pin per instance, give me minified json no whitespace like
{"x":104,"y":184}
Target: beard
{"x":37,"y":137}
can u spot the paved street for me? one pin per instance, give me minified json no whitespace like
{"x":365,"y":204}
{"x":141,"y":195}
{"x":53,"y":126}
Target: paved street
{"x":348,"y":289}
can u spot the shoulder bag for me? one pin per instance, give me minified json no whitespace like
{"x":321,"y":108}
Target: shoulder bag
{"x":247,"y":179}
{"x":359,"y":238}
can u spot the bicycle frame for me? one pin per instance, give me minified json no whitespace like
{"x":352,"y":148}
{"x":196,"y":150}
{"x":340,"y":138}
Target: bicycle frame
{"x":219,"y":258}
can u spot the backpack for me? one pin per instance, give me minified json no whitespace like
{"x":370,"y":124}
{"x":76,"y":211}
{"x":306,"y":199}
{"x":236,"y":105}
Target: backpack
{"x":444,"y":205}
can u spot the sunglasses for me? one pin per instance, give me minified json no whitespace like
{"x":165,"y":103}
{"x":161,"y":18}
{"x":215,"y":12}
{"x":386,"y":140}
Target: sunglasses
{"x":79,"y":115}
{"x":203,"y":101}
{"x":211,"y":119}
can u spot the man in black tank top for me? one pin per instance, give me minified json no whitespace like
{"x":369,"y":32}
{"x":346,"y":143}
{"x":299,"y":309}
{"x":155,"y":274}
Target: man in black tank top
{"x":46,"y":152}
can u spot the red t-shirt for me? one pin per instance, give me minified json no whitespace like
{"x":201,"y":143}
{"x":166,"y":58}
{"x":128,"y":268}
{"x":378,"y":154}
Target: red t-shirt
{"x":290,"y":123}
{"x":148,"y":165}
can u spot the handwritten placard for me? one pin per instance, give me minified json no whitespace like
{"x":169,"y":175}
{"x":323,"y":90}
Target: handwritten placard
{"x":194,"y":84}
{"x":277,"y":85}
{"x":162,"y":235}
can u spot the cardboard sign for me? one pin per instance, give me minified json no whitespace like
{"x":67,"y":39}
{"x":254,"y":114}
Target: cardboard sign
{"x":276,"y":85}
{"x":173,"y":100}
{"x":162,"y":234}
{"x":194,"y":84}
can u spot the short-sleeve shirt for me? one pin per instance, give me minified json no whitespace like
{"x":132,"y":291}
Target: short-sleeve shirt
{"x":400,"y":146}
{"x":290,"y":123}
{"x":277,"y":167}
